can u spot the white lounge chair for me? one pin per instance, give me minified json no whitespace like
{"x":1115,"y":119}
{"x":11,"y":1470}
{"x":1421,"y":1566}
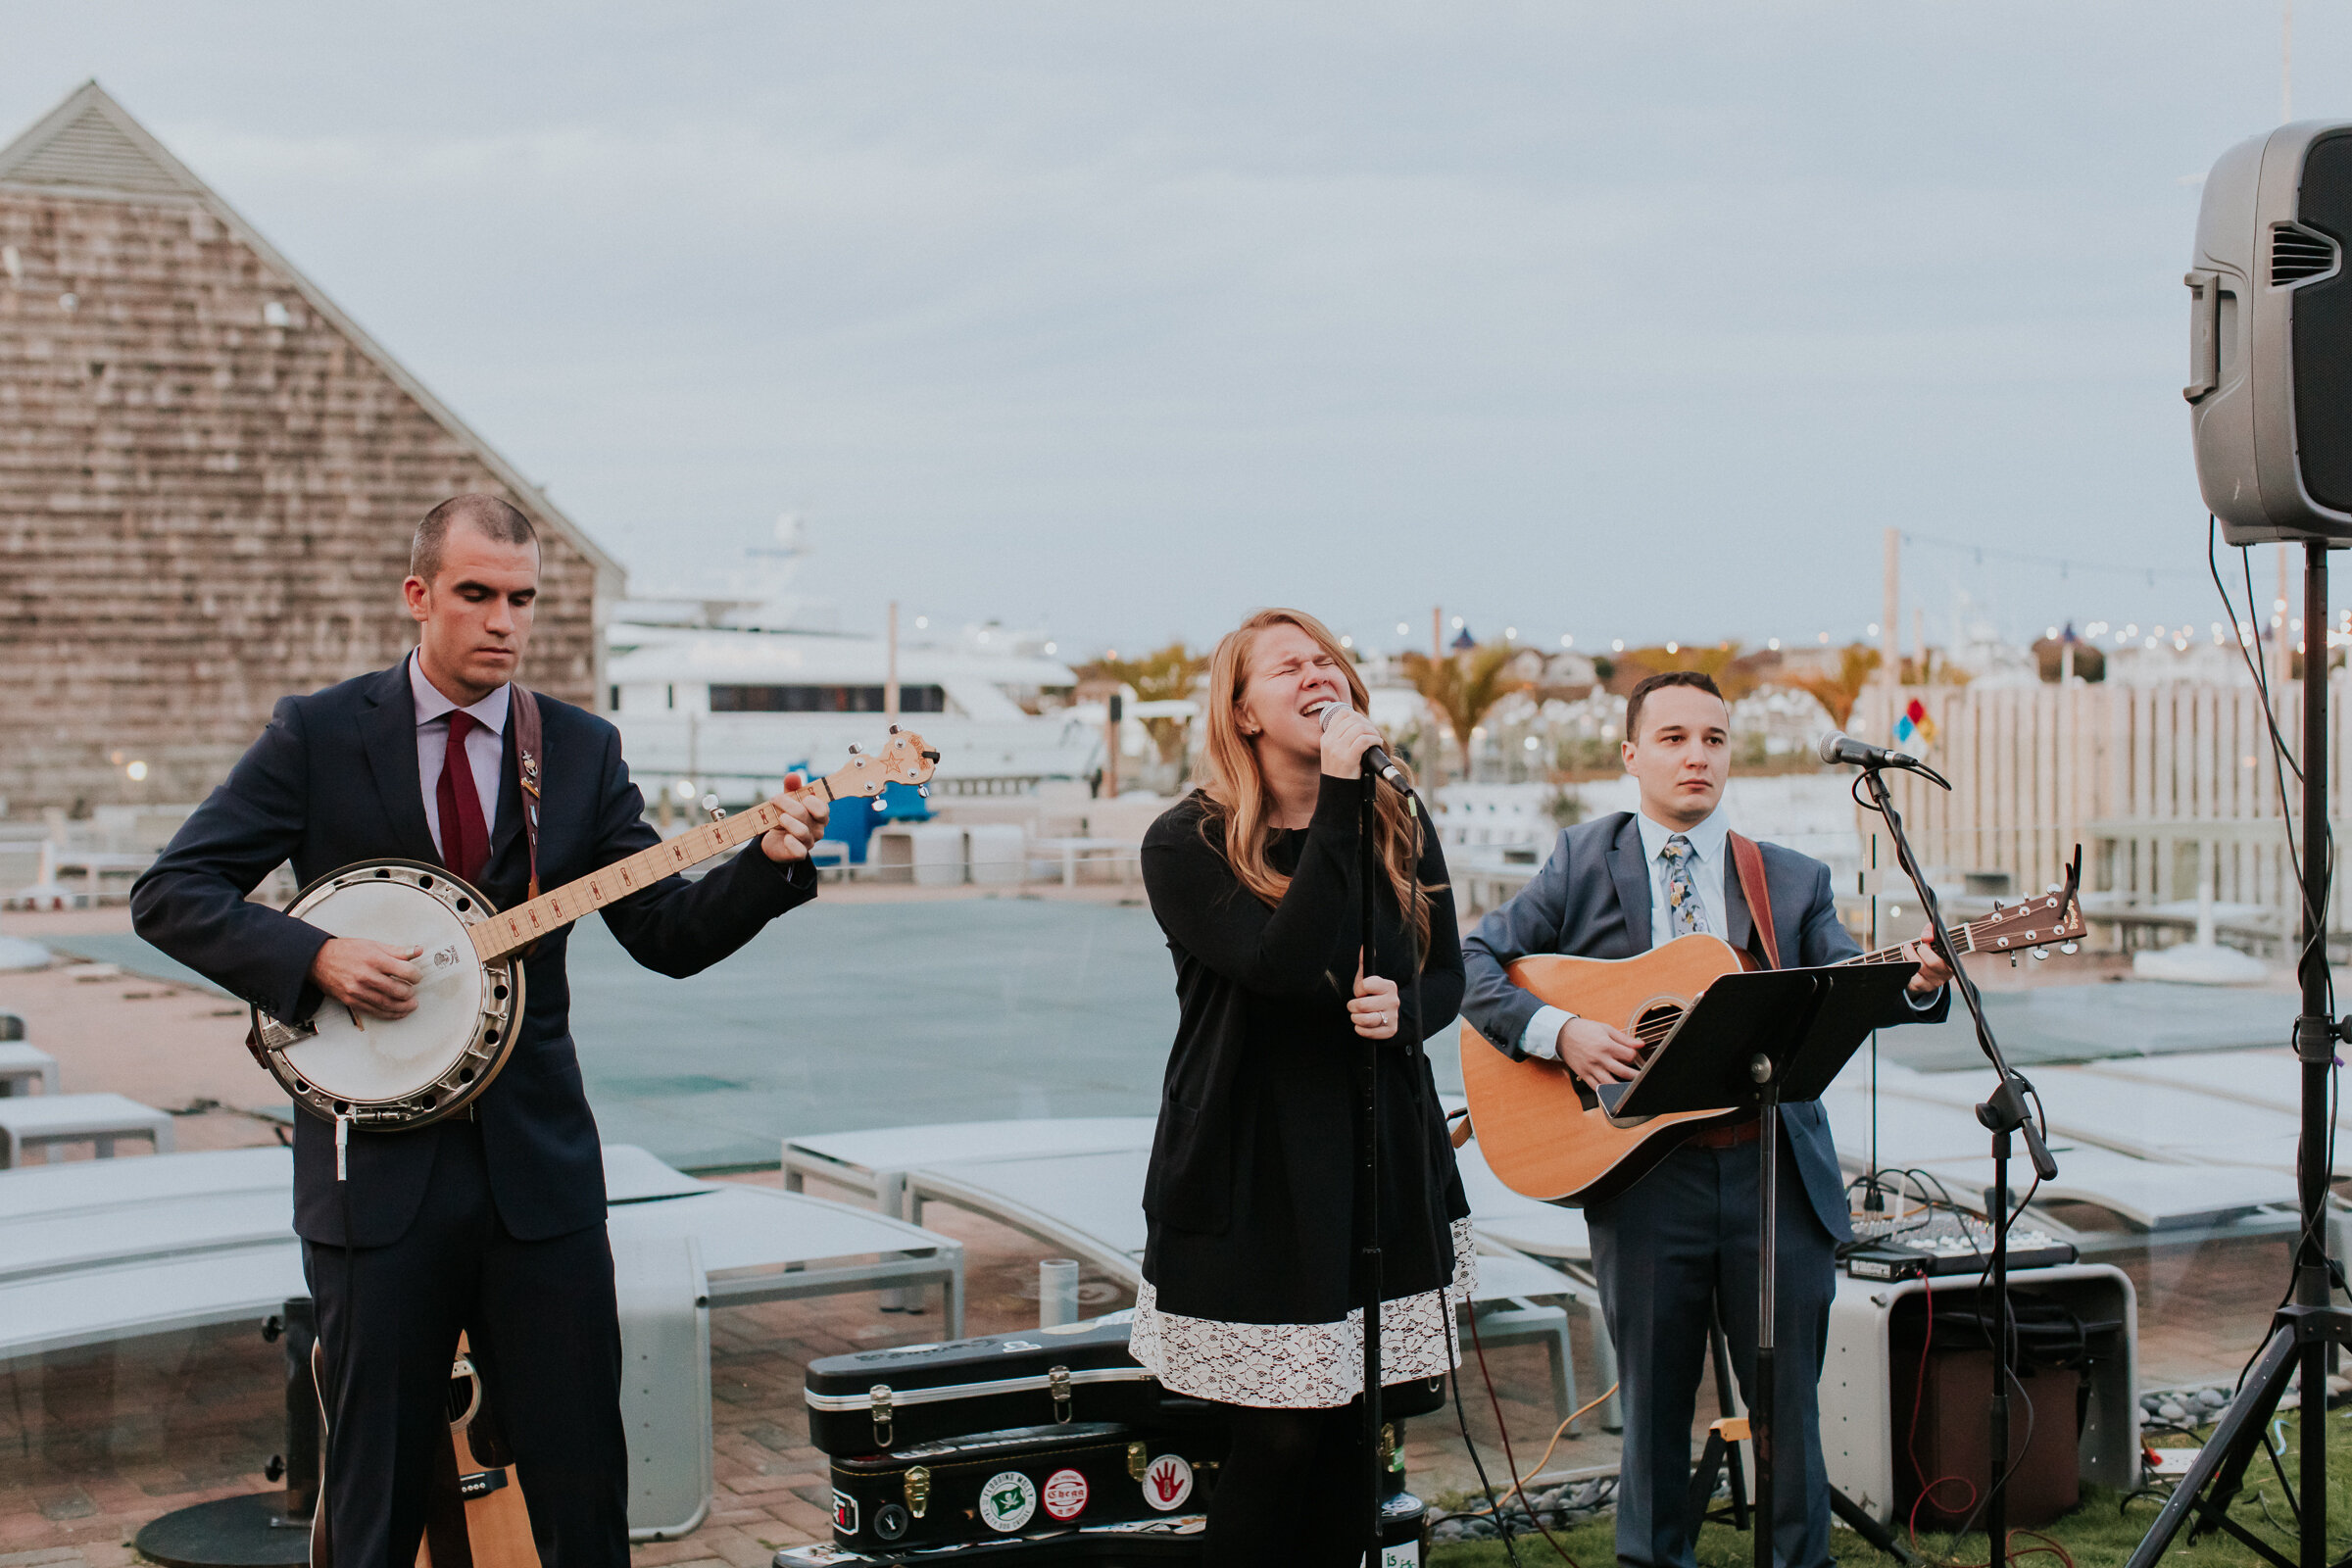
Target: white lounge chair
{"x":1943,"y":1140}
{"x":42,"y":1121}
{"x":23,"y":1066}
{"x":2172,"y":1123}
{"x":867,"y":1162}
{"x":97,"y":1251}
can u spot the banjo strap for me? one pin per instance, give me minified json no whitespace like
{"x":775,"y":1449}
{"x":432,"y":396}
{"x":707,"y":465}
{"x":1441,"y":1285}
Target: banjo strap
{"x":528,"y":751}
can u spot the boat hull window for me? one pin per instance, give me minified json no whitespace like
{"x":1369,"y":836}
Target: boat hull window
{"x":823,"y":700}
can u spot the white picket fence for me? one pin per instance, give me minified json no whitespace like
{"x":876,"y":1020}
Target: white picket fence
{"x":2153,"y":781}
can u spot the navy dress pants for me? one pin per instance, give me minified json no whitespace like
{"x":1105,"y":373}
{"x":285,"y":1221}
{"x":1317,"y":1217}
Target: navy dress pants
{"x":543,"y":1331}
{"x":1665,"y":1250}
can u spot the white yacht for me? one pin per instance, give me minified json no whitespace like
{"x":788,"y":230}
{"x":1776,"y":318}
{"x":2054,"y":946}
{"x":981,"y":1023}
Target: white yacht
{"x":724,"y":686}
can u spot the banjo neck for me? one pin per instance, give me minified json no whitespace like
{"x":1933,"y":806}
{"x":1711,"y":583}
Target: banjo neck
{"x":905,"y":759}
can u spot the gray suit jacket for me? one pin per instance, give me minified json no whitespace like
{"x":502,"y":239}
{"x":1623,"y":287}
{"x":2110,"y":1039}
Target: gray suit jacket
{"x":1592,"y":899}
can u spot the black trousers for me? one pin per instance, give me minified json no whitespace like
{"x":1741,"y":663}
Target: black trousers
{"x":545,"y":1333}
{"x":1665,"y":1250}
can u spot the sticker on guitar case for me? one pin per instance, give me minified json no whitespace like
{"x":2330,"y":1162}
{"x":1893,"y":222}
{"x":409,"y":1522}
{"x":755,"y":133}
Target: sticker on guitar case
{"x":1167,"y":1482}
{"x":1066,"y":1493}
{"x":845,"y":1513}
{"x":1008,"y":1500}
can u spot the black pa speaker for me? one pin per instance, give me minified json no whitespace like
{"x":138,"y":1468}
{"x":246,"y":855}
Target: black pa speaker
{"x":2270,"y":337}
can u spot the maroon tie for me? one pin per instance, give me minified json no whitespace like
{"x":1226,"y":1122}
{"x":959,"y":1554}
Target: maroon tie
{"x":464,"y":839}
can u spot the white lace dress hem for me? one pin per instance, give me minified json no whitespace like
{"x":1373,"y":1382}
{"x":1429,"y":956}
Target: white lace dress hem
{"x":1297,"y":1366}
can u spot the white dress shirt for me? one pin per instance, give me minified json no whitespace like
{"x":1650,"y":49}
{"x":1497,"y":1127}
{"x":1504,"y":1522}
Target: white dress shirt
{"x":1709,"y":850}
{"x":485,"y":748}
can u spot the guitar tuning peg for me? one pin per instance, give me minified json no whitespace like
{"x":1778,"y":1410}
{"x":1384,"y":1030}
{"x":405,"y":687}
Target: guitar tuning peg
{"x":853,"y":748}
{"x":881,"y":804}
{"x":2040,"y":953}
{"x":923,"y":790}
{"x":894,"y":729}
{"x":2069,"y":947}
{"x":2013,"y":961}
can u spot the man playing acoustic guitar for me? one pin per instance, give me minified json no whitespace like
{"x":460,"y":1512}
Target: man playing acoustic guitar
{"x":492,"y":1220}
{"x":1682,"y":1239}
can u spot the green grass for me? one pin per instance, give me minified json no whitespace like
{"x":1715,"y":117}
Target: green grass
{"x":2094,"y":1535}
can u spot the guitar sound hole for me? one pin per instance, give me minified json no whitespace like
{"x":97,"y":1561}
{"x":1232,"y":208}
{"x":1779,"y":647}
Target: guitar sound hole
{"x":1655,"y":1023}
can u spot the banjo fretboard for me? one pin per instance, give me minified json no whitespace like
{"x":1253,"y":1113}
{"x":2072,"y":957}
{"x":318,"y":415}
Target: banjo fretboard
{"x":904,"y":760}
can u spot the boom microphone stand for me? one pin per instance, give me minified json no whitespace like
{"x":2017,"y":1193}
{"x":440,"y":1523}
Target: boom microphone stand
{"x":2303,"y":1331}
{"x":2003,"y":1112}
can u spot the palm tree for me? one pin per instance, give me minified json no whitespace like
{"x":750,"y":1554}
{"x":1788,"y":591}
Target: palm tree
{"x":1733,"y":676}
{"x":1167,"y":675}
{"x":1465,"y":688}
{"x":1838,"y":693}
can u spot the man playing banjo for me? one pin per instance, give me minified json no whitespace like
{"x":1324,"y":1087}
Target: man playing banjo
{"x":490,"y":1220}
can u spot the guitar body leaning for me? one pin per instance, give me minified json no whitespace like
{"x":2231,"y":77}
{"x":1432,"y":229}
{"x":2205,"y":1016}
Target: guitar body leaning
{"x":1543,"y":1132}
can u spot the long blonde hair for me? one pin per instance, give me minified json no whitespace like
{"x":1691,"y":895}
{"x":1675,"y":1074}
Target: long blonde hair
{"x":1233,"y":786}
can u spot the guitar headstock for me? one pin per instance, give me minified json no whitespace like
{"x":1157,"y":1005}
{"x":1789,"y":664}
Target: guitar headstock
{"x":2037,"y":922}
{"x":905,"y":759}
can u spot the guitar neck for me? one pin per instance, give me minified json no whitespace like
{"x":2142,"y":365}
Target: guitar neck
{"x":1965,"y":939}
{"x":512,"y":930}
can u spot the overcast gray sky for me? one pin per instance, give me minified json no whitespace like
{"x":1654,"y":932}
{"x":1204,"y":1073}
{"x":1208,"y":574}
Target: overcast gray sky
{"x":1639,"y":320}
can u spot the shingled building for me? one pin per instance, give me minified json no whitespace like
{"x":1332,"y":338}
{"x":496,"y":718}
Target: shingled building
{"x":209,"y":475}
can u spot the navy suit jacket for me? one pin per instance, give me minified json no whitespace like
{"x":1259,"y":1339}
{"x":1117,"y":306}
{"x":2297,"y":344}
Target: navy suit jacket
{"x":1592,"y":899}
{"x":334,"y":781}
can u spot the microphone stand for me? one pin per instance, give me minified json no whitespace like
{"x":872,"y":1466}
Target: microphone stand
{"x":2003,"y":1113}
{"x":1368,"y":1150}
{"x":2310,"y":1325}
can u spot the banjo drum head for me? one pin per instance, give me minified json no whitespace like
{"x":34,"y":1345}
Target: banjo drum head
{"x":375,"y":1062}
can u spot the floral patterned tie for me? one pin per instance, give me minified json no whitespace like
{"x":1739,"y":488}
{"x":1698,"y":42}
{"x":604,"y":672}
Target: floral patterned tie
{"x":1685,"y":913}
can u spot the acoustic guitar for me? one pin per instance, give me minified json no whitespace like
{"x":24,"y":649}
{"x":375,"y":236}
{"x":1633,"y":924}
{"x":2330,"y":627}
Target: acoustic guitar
{"x":474,"y":1514}
{"x":1547,"y":1135}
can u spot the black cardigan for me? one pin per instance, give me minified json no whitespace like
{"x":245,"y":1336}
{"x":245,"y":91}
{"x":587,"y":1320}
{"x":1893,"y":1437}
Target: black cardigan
{"x":1250,"y":1194}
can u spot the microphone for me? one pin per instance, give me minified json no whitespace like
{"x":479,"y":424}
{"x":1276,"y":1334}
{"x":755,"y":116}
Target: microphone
{"x":1837,"y":747}
{"x":1376,"y":761}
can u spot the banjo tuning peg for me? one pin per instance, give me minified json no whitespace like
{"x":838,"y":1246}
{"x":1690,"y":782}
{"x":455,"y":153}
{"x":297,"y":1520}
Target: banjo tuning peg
{"x":881,"y":804}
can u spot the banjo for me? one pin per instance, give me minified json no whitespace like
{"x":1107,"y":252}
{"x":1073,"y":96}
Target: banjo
{"x":392,"y":1074}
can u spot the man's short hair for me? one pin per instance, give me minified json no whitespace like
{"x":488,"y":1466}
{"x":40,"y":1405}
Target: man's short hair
{"x":487,"y":516}
{"x":1692,"y":678}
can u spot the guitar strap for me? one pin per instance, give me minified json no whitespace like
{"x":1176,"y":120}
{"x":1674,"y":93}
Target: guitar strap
{"x":1753,"y":887}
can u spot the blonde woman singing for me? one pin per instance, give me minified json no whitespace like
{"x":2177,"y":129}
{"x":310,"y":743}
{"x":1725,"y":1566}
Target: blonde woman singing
{"x":1248,"y":1295}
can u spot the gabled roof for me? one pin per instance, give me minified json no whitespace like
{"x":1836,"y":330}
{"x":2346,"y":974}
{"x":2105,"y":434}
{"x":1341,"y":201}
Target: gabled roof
{"x":89,"y":146}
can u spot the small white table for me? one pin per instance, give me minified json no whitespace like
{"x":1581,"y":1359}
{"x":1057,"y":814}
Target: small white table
{"x":21,"y":1066}
{"x":37,"y":1121}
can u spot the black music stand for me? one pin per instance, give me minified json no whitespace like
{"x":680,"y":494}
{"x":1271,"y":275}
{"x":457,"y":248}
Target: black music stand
{"x":1765,"y":1039}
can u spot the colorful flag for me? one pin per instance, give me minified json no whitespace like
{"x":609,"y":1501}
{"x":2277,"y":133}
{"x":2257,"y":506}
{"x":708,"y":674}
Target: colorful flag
{"x":1915,"y":722}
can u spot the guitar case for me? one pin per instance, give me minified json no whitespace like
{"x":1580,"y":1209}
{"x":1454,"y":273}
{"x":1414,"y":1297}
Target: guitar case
{"x":880,"y":1401}
{"x":1022,"y":1482}
{"x":1087,"y":1492}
